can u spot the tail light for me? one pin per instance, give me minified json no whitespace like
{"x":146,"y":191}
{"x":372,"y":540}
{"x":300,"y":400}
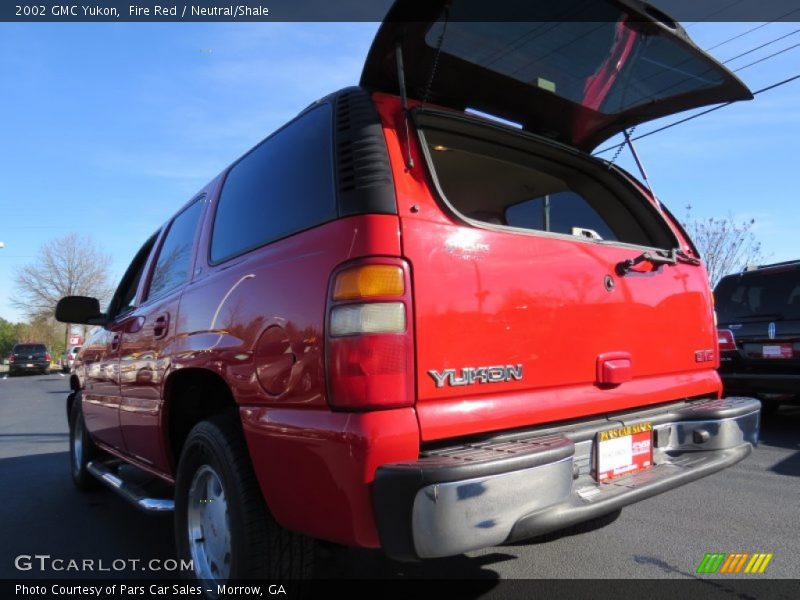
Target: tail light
{"x":12,"y":359}
{"x":369,"y":338}
{"x":726,"y":340}
{"x":47,"y":356}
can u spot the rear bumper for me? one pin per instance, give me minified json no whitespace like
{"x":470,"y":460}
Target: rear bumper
{"x":760,"y":383}
{"x":521,"y":485}
{"x":34,"y":366}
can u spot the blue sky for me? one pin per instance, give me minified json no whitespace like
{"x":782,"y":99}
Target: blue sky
{"x":109,"y":128}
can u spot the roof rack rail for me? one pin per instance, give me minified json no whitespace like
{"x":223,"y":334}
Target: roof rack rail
{"x":785,"y":263}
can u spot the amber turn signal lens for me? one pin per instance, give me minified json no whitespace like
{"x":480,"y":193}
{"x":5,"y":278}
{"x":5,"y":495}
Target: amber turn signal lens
{"x":369,"y":281}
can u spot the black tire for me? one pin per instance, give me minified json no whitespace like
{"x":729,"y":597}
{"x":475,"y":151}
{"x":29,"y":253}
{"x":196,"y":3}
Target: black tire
{"x":83,"y":480}
{"x":259,"y":548}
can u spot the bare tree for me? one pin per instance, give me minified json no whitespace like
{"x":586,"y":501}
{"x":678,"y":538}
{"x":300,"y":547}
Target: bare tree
{"x":726,"y":245}
{"x":68,"y":266}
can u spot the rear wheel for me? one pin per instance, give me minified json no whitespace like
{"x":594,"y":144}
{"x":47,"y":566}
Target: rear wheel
{"x":81,"y":448}
{"x":221,"y":520}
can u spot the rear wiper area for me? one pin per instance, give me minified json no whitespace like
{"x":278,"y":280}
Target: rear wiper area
{"x":657,"y":258}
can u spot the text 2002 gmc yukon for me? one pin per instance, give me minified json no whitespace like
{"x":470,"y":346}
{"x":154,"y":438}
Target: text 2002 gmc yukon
{"x":395,"y":324}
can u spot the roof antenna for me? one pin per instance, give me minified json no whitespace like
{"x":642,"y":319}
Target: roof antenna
{"x":401,"y":81}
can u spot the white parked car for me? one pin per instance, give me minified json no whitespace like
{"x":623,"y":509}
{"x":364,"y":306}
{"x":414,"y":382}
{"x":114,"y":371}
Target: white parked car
{"x":68,"y":357}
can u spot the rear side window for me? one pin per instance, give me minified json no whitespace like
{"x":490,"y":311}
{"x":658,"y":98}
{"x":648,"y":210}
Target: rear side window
{"x":172,"y":266}
{"x":502,"y":185}
{"x":756,"y":296}
{"x":283,"y":186}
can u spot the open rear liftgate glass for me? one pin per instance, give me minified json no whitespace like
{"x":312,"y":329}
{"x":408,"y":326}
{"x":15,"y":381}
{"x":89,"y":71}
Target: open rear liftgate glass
{"x":574,"y":71}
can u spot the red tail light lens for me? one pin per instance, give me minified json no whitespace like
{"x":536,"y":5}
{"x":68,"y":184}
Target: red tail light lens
{"x":369,"y":338}
{"x":12,"y":359}
{"x":726,"y":340}
{"x":47,"y":356}
{"x":369,"y":372}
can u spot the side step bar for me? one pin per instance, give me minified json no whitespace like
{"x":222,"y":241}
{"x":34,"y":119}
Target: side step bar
{"x":130,"y":491}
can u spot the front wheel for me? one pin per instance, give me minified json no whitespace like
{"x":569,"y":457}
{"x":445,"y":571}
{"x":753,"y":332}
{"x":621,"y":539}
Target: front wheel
{"x":222,"y":523}
{"x":81,"y":448}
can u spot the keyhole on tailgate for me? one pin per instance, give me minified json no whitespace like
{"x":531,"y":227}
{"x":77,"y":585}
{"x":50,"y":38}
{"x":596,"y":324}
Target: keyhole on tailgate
{"x":609,"y":283}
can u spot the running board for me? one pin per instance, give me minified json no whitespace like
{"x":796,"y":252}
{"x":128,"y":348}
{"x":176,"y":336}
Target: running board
{"x":130,"y":491}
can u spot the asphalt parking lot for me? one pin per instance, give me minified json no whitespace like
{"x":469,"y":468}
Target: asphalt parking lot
{"x":752,"y":507}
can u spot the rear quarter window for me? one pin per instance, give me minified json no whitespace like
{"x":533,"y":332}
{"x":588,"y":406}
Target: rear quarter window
{"x":174,"y":257}
{"x":283,"y":186}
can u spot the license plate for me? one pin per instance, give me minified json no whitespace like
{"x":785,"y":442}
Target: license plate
{"x":29,"y":365}
{"x":777,"y":351}
{"x":623,"y":451}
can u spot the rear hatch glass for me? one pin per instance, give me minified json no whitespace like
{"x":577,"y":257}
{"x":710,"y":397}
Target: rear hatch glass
{"x":576,"y":71}
{"x":767,"y":296}
{"x":30,"y":349}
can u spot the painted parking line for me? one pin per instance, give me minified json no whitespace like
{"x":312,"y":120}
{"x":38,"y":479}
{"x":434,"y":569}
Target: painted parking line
{"x":61,"y":374}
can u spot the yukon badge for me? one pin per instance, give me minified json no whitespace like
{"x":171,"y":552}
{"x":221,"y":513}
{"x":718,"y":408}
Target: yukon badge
{"x":472,"y":375}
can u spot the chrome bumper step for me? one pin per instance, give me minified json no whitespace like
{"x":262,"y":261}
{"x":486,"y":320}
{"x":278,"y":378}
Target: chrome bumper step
{"x":519,"y":485}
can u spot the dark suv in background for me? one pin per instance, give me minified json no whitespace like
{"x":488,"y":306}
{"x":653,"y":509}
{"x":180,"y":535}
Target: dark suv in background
{"x":31,"y":358}
{"x":758,"y":314}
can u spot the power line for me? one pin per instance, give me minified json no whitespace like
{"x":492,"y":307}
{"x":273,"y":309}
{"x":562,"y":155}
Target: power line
{"x":760,"y":60}
{"x":659,"y":93}
{"x":700,"y":114}
{"x":736,"y":37}
{"x":764,"y":45}
{"x":755,"y":62}
{"x":751,"y":30}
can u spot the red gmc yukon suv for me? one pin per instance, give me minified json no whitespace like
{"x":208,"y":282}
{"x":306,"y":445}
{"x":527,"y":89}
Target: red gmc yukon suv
{"x":421,"y":316}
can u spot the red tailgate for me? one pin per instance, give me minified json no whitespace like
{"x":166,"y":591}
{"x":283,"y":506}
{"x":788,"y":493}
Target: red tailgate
{"x":486,"y":297}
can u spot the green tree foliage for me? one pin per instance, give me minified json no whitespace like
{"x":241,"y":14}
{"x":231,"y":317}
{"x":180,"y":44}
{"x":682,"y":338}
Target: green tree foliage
{"x":8,"y":337}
